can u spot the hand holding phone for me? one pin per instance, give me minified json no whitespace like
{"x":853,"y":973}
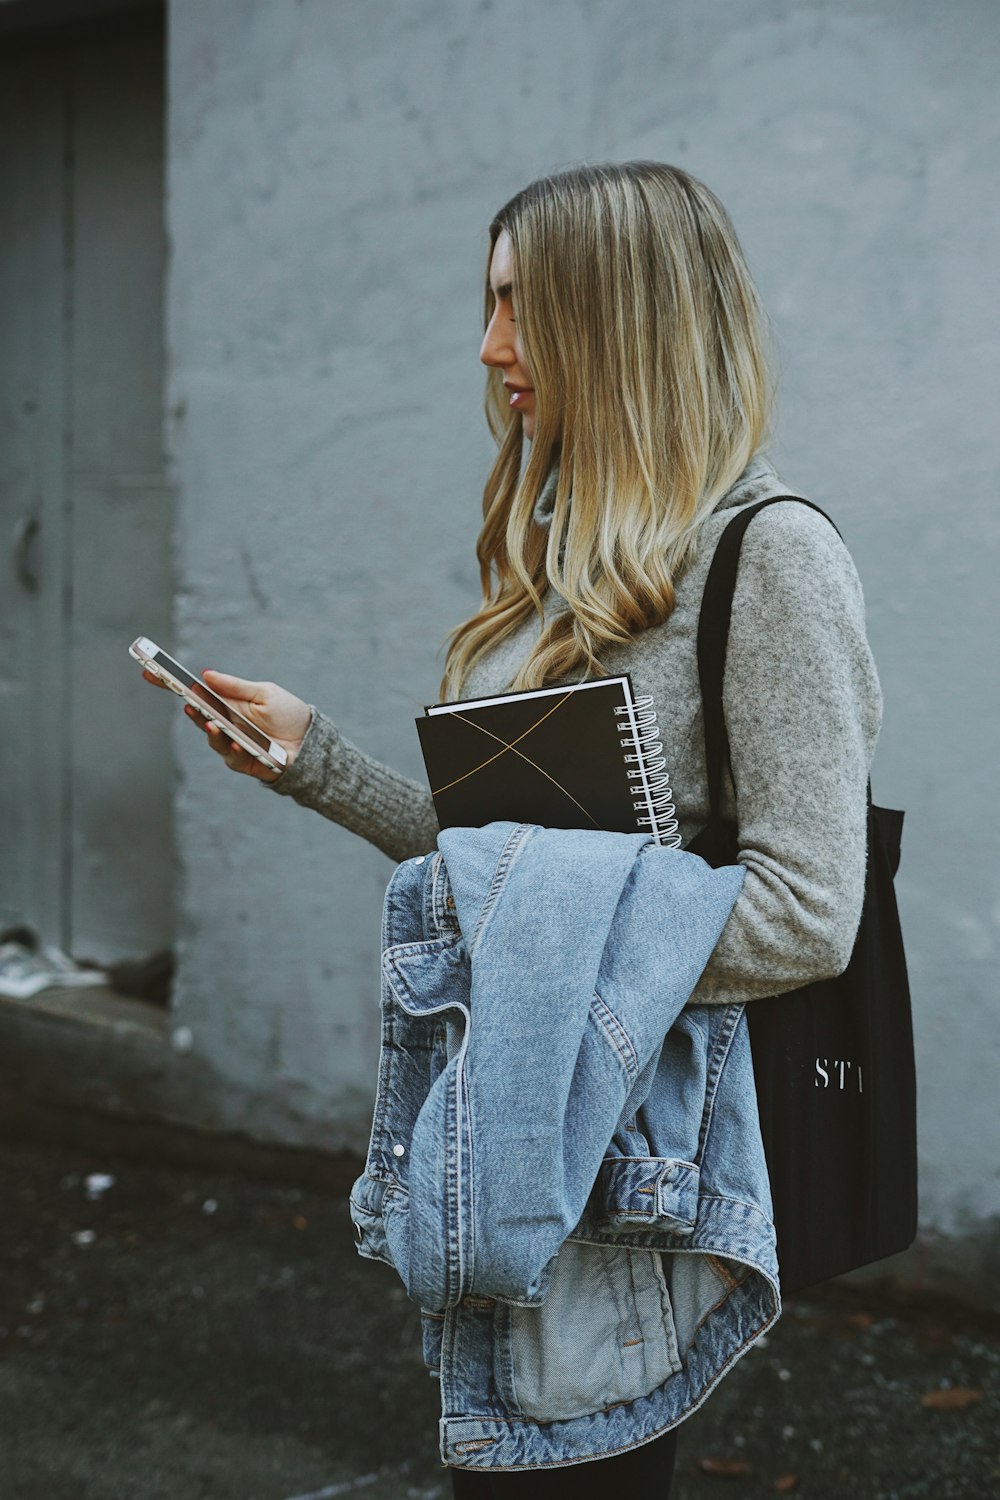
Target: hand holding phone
{"x":257,"y":727}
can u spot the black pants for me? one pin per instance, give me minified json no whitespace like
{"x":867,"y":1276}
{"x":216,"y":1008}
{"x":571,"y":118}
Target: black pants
{"x":650,"y":1466}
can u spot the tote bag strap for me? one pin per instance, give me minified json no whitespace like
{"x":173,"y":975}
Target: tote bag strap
{"x":841,"y":1162}
{"x":713,"y":641}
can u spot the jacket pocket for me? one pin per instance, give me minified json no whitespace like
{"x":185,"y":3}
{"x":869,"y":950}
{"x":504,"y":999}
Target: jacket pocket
{"x":431,"y":1334}
{"x":603,"y":1336}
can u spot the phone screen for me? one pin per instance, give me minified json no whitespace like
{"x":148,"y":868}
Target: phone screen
{"x":217,"y":704}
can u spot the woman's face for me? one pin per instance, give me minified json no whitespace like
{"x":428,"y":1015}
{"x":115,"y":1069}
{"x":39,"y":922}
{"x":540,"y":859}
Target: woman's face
{"x":501,"y":342}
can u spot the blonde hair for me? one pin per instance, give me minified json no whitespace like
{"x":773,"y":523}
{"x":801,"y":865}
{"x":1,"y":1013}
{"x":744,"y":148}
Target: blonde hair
{"x":644,"y":336}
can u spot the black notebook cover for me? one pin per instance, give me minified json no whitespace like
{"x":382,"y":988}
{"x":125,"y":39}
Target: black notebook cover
{"x":555,"y":756}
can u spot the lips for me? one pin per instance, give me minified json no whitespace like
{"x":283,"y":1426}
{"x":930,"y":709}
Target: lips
{"x":518,"y":393}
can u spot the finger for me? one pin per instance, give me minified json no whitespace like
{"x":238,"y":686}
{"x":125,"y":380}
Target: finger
{"x":239,"y":688}
{"x":236,"y":758}
{"x":196,"y":717}
{"x":220,"y":742}
{"x":154,"y":680}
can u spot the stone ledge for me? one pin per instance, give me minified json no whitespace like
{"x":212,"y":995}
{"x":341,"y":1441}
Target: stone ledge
{"x":95,"y":1006}
{"x":95,"y":1062}
{"x":24,"y":1118}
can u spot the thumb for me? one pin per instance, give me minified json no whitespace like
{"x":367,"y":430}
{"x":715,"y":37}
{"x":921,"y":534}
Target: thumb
{"x":241,"y":689}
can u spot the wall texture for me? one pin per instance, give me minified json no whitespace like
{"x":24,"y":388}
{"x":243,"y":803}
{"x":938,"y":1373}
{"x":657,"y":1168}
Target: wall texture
{"x":332,"y":169}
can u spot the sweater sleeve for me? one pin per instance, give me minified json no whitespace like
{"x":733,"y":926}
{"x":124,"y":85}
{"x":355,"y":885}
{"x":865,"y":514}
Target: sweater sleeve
{"x":803,"y":708}
{"x":335,"y":778}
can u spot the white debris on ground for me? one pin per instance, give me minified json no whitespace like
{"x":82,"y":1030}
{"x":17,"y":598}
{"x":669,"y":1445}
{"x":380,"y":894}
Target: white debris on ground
{"x":27,"y":968}
{"x":98,"y":1183}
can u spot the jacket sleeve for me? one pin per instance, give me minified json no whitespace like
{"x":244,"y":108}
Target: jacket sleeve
{"x":335,"y":778}
{"x":803,"y":708}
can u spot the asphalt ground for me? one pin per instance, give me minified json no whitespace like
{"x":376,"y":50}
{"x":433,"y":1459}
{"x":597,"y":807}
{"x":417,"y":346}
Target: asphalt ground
{"x":177,"y":1334}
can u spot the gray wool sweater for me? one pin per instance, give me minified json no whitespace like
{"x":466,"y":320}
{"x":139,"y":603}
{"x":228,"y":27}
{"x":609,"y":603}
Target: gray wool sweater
{"x":803,"y":709}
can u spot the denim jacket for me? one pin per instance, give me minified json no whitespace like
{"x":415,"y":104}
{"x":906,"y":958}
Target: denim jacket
{"x":565,"y":1164}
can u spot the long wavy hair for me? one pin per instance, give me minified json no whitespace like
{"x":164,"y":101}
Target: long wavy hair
{"x":645,"y":339}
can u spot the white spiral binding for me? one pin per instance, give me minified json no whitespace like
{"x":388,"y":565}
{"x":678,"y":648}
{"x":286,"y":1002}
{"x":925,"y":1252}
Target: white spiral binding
{"x":653,"y":801}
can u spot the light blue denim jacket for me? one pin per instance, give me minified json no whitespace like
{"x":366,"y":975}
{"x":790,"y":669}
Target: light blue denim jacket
{"x":578,"y":1297}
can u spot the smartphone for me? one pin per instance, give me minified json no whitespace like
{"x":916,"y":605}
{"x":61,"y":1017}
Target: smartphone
{"x":208,"y":704}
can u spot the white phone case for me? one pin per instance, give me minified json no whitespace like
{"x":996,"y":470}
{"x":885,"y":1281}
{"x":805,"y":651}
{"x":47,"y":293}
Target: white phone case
{"x":145,"y":651}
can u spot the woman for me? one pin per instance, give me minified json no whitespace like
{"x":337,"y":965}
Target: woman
{"x":624,"y":343}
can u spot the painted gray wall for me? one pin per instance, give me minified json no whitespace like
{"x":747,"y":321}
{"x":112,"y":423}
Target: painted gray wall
{"x":332,"y":168}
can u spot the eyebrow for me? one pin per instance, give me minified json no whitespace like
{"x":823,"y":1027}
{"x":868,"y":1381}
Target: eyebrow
{"x":501,"y":293}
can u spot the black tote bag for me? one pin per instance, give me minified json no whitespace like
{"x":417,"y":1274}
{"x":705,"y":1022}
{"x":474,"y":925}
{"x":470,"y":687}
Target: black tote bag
{"x":833,"y":1061}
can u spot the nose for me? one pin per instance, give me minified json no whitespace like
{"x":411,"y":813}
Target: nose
{"x":497,"y":347}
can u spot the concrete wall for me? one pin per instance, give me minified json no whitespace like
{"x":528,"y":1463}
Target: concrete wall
{"x":332,"y":168}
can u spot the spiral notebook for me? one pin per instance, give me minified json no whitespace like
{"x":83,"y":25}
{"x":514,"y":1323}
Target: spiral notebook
{"x":580,"y":756}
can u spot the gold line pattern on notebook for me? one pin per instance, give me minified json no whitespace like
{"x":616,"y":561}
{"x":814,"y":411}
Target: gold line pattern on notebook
{"x":512,"y":745}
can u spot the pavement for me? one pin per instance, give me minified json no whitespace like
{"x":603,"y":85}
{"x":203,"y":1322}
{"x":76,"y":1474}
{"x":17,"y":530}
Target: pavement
{"x":172,"y":1333}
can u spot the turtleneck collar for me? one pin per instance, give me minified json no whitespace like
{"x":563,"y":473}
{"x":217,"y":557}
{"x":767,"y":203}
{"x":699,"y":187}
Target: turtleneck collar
{"x":545,"y":503}
{"x":758,"y":480}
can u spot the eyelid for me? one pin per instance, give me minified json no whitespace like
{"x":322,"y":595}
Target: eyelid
{"x":502,"y":301}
